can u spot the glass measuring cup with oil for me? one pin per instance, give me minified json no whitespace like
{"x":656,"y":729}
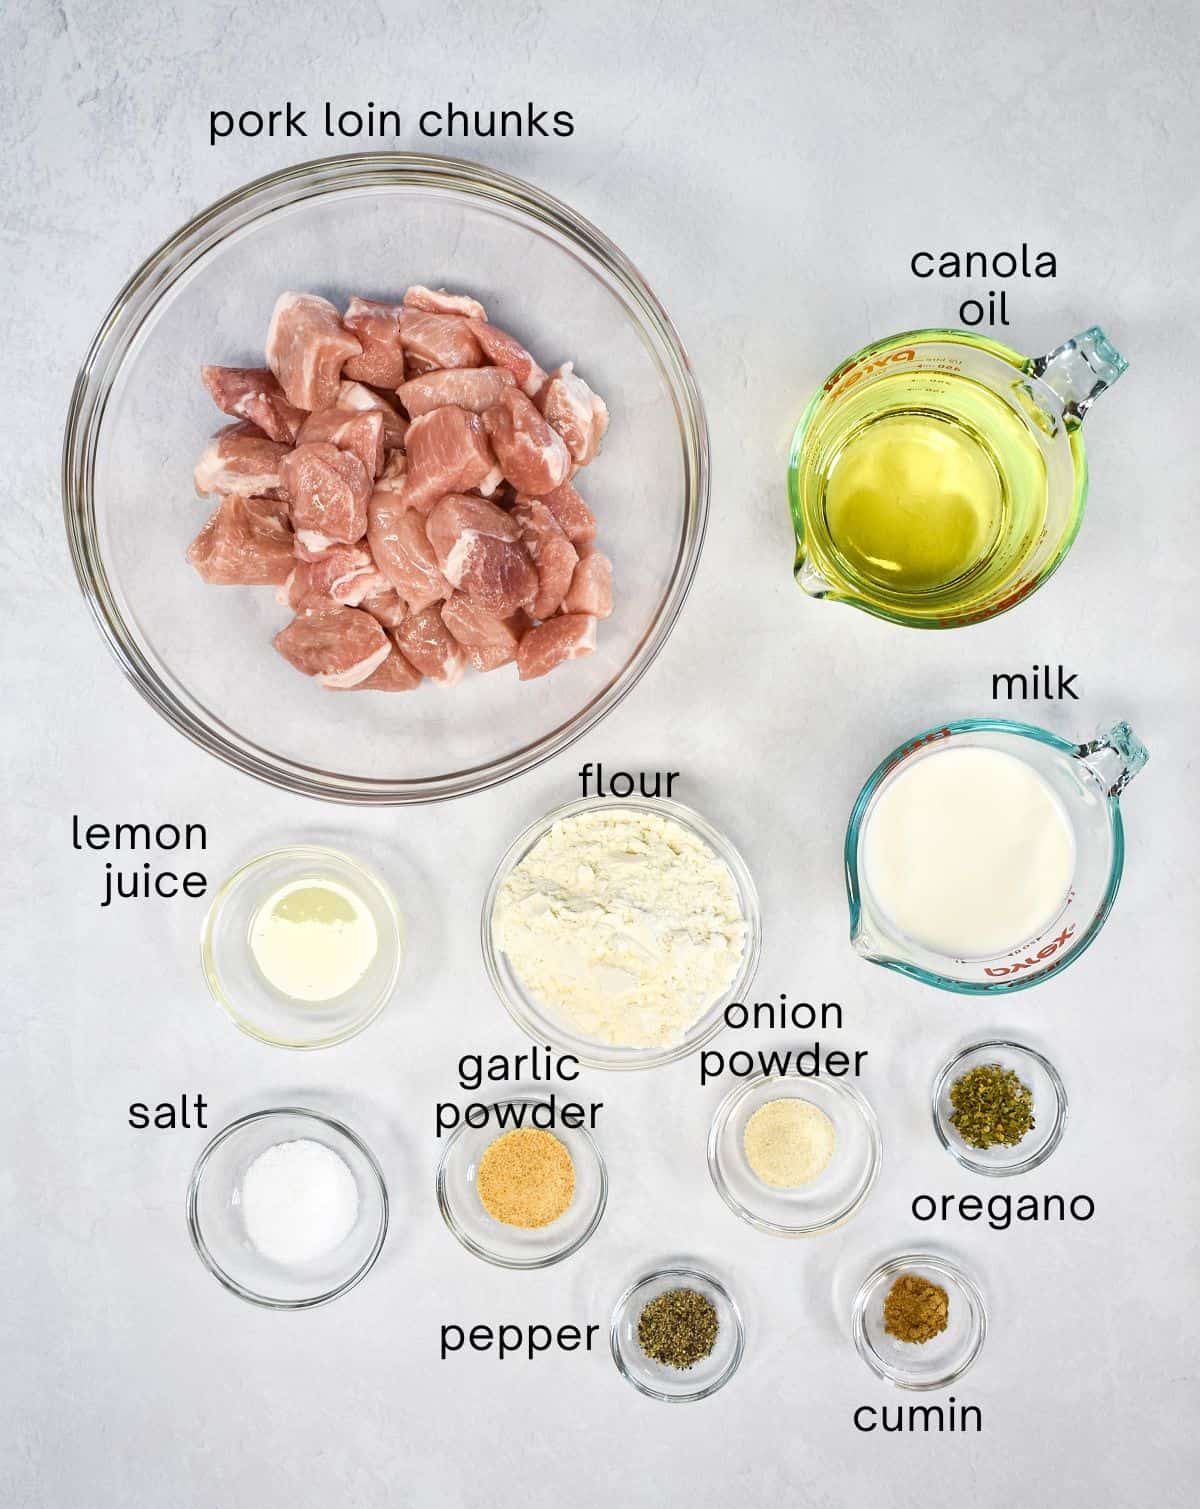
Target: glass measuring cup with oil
{"x":938,"y":477}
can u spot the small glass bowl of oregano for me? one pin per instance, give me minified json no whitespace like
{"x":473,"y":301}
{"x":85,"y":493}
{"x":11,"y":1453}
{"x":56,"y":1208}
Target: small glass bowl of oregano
{"x":677,"y":1335}
{"x":999,"y":1107}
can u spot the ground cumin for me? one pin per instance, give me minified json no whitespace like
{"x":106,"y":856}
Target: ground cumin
{"x":526,"y":1178}
{"x":915,"y":1309}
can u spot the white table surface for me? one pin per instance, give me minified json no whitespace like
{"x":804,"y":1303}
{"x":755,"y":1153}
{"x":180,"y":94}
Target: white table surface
{"x":771,"y":177}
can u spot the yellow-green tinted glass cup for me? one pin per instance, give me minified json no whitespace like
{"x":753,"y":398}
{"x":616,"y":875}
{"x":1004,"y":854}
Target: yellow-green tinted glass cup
{"x":937,"y":478}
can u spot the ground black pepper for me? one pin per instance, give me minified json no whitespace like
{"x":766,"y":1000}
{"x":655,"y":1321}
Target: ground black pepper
{"x":678,"y":1328}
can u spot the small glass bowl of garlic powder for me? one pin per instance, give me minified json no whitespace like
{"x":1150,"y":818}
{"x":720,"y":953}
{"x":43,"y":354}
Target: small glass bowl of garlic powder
{"x":303,"y":947}
{"x":620,"y":930}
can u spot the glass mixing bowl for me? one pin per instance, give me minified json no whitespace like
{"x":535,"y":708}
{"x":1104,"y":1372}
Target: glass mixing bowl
{"x":139,"y":418}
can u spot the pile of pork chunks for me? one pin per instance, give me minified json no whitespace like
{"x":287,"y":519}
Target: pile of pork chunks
{"x":403,"y":475}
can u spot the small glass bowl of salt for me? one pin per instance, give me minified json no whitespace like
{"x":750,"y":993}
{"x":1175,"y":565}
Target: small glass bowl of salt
{"x":287,"y":1208}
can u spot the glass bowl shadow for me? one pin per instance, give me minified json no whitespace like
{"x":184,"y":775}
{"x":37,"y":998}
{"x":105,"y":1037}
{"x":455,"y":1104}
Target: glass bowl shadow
{"x":546,"y":1026}
{"x":139,"y":417}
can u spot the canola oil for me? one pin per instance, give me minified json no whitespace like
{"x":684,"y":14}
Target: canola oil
{"x":931,"y":487}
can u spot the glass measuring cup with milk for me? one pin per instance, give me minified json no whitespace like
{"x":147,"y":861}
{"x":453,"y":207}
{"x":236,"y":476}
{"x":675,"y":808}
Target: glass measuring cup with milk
{"x":983,"y":855}
{"x":938,"y":477}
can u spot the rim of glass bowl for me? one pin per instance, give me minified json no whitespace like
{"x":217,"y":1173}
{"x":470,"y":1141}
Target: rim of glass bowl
{"x":486,"y":1253}
{"x":851,"y":1094}
{"x":674,"y":1272}
{"x":230,"y":1283}
{"x":944,"y":1268}
{"x":859,"y":811}
{"x":542,"y":1027}
{"x":173,"y":260}
{"x":960,"y":1152}
{"x":212,"y":977}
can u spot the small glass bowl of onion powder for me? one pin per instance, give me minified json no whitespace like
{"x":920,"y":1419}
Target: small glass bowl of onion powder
{"x":303,"y":947}
{"x":793,"y":1155}
{"x":287,"y":1208}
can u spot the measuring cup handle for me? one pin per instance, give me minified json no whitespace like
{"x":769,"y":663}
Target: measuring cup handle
{"x":1080,"y":370}
{"x":1114,"y":757}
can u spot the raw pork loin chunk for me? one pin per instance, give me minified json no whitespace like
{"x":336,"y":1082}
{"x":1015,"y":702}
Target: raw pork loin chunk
{"x":338,"y":646}
{"x":307,"y":345}
{"x":253,"y":393}
{"x":246,"y":543}
{"x":240,"y":459}
{"x":401,"y":474}
{"x":328,"y":490}
{"x":376,"y":327}
{"x":532,"y":456}
{"x":480,"y":552}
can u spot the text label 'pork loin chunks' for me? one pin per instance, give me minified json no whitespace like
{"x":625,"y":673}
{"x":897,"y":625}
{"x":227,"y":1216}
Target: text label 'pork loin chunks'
{"x":480,"y":552}
{"x":558,"y":639}
{"x":246,"y":543}
{"x":328,"y":490}
{"x":338,"y":646}
{"x":307,"y":345}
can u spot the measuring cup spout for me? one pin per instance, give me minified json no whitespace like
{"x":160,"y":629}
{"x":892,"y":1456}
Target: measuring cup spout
{"x":1114,"y":757}
{"x":1080,"y":370}
{"x":810,"y":579}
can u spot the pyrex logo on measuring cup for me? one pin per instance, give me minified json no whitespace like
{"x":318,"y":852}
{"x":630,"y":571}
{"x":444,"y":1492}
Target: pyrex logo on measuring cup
{"x":856,"y":371}
{"x":1002,"y":971}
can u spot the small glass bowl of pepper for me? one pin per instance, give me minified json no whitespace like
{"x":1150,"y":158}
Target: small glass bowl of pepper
{"x":677,"y":1335}
{"x":999,"y":1108}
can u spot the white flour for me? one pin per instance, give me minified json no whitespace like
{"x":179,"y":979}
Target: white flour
{"x":623,"y":923}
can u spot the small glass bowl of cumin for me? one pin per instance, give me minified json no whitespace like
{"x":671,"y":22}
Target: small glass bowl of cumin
{"x":931,"y":1364}
{"x":496,"y":1241}
{"x":658,"y":1380}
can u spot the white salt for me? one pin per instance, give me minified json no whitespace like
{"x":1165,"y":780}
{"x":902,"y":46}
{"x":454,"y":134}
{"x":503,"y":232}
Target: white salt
{"x":299,"y":1202}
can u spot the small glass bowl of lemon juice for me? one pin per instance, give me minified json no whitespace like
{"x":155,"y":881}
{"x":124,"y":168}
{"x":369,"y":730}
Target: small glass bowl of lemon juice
{"x":303,"y":947}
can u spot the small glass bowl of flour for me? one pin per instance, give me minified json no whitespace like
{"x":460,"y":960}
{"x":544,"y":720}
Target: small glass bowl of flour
{"x":794,"y":1155}
{"x":620,"y":930}
{"x":287,"y":1208}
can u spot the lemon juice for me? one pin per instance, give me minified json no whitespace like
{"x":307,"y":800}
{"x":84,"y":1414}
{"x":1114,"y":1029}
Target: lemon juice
{"x":931,"y":485}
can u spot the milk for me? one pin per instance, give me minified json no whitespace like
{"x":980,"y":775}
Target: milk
{"x":968,"y":852}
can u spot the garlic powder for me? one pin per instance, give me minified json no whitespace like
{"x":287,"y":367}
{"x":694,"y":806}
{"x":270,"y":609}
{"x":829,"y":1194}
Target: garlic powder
{"x":624,"y":923}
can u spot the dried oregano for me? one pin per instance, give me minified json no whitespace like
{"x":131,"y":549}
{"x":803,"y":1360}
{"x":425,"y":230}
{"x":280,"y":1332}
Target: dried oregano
{"x":991,"y":1107}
